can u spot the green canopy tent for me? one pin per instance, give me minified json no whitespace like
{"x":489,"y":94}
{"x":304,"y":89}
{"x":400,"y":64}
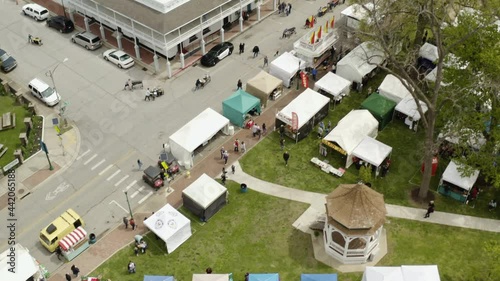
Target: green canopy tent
{"x":236,"y":107}
{"x":381,"y":108}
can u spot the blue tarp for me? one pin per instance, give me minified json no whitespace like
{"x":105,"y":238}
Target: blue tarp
{"x":318,"y":277}
{"x":264,"y":277}
{"x":158,"y":278}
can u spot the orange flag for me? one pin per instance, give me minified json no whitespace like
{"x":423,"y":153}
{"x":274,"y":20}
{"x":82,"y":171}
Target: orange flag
{"x":333,"y":22}
{"x":319,"y":32}
{"x":313,"y":37}
{"x":312,"y":22}
{"x":326,"y":27}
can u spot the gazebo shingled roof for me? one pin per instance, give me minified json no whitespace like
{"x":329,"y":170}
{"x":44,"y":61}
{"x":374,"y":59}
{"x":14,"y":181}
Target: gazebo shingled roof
{"x":356,"y":207}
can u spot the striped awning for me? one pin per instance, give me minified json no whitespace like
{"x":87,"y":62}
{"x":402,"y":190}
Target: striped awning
{"x":75,"y":237}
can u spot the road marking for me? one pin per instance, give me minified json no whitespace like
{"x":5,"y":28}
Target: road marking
{"x":120,"y":181}
{"x":60,"y":188}
{"x":114,"y":202}
{"x":130,"y":185}
{"x":105,"y":169}
{"x":145,"y":197}
{"x":137,"y":192}
{"x":113,"y":175}
{"x":98,"y":164}
{"x":83,"y":154}
{"x":90,"y":159}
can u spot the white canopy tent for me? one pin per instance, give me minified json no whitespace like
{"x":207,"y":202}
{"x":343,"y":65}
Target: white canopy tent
{"x":204,"y":197}
{"x":25,"y":265}
{"x":360,"y":62}
{"x":285,"y":67}
{"x":408,"y":107}
{"x":351,"y":130}
{"x":306,"y":105}
{"x":429,"y":52}
{"x":196,"y":133}
{"x":210,"y":277}
{"x":334,"y":85}
{"x":402,"y":273}
{"x":453,"y":176}
{"x":372,"y":151}
{"x":393,"y":89}
{"x":171,"y":226}
{"x":355,"y":14}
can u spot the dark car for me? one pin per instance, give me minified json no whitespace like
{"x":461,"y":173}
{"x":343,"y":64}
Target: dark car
{"x":63,"y":24}
{"x":217,"y":53}
{"x":6,"y":61}
{"x":152,"y":176}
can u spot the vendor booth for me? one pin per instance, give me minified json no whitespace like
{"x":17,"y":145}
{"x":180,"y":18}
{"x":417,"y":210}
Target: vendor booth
{"x":196,"y":133}
{"x":381,"y":108}
{"x":333,"y":86}
{"x":263,"y":277}
{"x":314,"y":54}
{"x":401,"y":273}
{"x":26,"y":267}
{"x":265,"y":87}
{"x":318,"y":277}
{"x":360,"y":63}
{"x":212,"y":277}
{"x":453,"y":184}
{"x":407,"y":110}
{"x":428,"y":55}
{"x":74,"y":243}
{"x":204,"y":197}
{"x":393,"y":89}
{"x":310,"y":108}
{"x":158,"y":278}
{"x":239,"y":107}
{"x":373,"y":152}
{"x":350,"y":131}
{"x":285,"y":67}
{"x":170,"y":226}
{"x":355,"y":14}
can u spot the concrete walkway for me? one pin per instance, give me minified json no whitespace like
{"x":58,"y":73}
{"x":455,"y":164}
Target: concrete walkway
{"x":317,"y":208}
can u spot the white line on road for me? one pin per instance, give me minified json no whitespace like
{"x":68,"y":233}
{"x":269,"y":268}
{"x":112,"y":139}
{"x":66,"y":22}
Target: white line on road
{"x":98,"y":164}
{"x":137,"y":192}
{"x":105,"y":169}
{"x":83,"y":154}
{"x":113,"y":175}
{"x":114,"y":202}
{"x":145,"y":197}
{"x":120,"y":181}
{"x":90,"y":159}
{"x":130,"y":185}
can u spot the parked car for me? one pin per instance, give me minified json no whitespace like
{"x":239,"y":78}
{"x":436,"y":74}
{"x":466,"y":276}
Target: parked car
{"x":7,"y":62}
{"x":44,"y":92}
{"x":217,"y":53}
{"x":87,"y":39}
{"x":35,"y":11}
{"x":63,"y":24}
{"x":120,"y":58}
{"x":152,"y":176}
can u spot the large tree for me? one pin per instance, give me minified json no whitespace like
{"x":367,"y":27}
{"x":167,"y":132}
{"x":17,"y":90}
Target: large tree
{"x":400,"y":28}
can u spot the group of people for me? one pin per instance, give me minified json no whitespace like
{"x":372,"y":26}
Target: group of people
{"x":152,"y":94}
{"x":129,"y":221}
{"x":284,"y":8}
{"x":141,"y":247}
{"x":75,"y":270}
{"x":322,"y":131}
{"x":258,"y":131}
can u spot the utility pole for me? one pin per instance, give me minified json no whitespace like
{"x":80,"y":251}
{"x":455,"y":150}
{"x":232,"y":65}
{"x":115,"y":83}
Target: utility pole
{"x":128,"y":203}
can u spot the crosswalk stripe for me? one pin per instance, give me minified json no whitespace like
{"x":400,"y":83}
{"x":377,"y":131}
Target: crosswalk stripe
{"x":120,"y":181}
{"x":105,"y":169}
{"x":145,"y":197}
{"x":137,"y":192}
{"x":90,"y":159}
{"x":113,"y":175}
{"x":130,"y":185}
{"x":83,"y":154}
{"x":98,"y":164}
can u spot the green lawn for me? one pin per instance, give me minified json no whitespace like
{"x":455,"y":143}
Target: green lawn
{"x":265,"y":161}
{"x":254,"y":233}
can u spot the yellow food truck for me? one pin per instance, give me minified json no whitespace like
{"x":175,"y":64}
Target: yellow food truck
{"x":59,"y":228}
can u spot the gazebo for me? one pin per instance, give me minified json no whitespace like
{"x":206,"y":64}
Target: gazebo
{"x":355,"y":219}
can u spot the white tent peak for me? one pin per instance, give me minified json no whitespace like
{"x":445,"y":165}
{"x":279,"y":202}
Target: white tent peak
{"x":393,"y":88}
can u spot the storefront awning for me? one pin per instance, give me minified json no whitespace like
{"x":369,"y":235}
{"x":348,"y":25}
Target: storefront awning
{"x":75,"y":237}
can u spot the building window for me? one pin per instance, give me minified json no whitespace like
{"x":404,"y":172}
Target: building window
{"x":206,"y":30}
{"x":192,"y":38}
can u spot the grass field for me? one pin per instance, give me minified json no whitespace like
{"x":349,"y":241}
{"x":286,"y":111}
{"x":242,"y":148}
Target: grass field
{"x":10,"y":137}
{"x":254,"y":233}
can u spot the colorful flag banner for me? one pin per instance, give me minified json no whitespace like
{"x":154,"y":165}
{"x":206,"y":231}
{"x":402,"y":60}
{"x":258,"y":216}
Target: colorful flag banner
{"x":319,"y":32}
{"x":313,"y":37}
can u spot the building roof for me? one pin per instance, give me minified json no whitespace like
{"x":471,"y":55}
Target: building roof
{"x":160,"y":22}
{"x":356,"y":207}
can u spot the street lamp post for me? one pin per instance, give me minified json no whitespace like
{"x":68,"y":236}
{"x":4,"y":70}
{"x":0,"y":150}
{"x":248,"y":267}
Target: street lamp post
{"x":128,"y":203}
{"x":50,"y":73}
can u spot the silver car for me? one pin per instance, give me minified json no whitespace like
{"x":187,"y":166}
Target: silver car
{"x":87,"y":39}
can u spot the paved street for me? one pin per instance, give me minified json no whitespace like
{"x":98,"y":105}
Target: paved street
{"x":117,"y":127}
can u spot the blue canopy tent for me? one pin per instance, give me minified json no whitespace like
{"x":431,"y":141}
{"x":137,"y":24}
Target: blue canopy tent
{"x":236,"y":107}
{"x":264,"y":277}
{"x":158,"y":278}
{"x":318,"y":277}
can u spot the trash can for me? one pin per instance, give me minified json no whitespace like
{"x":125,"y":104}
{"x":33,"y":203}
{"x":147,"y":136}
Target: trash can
{"x":243,"y":188}
{"x":92,"y":238}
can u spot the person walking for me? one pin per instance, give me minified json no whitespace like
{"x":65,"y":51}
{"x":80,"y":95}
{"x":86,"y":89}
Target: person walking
{"x":131,"y":267}
{"x":255,"y":51}
{"x":320,"y":132}
{"x":58,"y":253}
{"x":266,"y":61}
{"x":239,"y":85}
{"x":243,"y":147}
{"x":289,"y":8}
{"x":430,"y":209}
{"x":226,"y":157}
{"x":147,"y":95}
{"x":128,"y":85}
{"x":222,"y":153}
{"x":314,"y":72}
{"x":254,"y":129}
{"x":139,"y":164}
{"x":125,"y":222}
{"x":282,"y":131}
{"x":242,"y":48}
{"x":233,"y":169}
{"x":236,"y":145}
{"x":68,"y":277}
{"x":264,"y":129}
{"x":30,"y":38}
{"x":282,"y":143}
{"x":223,"y":178}
{"x":132,"y":223}
{"x":75,"y":270}
{"x":286,"y":156}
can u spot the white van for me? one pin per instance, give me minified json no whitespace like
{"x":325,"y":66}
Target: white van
{"x":35,"y":11}
{"x":44,"y":92}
